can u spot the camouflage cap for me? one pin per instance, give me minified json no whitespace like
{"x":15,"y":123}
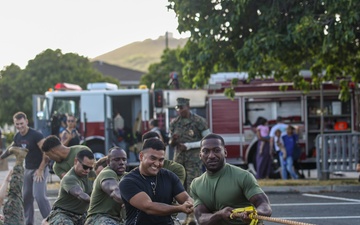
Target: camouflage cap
{"x":182,"y":101}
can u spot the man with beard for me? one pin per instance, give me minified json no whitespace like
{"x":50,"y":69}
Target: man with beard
{"x":224,"y":187}
{"x":106,"y":205}
{"x":186,"y":132}
{"x":62,"y":155}
{"x":148,"y":191}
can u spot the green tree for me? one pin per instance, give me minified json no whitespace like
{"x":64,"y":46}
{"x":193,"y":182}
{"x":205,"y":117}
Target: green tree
{"x":43,"y":72}
{"x":278,"y":38}
{"x":159,"y":73}
{"x":9,"y":89}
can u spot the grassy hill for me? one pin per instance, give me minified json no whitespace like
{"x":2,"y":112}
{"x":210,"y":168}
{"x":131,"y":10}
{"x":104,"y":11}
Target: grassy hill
{"x":139,"y":55}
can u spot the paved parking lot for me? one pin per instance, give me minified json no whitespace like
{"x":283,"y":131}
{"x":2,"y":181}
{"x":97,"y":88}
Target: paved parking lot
{"x":328,"y":208}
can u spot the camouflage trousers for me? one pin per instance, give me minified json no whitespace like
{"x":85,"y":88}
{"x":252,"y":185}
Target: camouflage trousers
{"x":192,"y":163}
{"x":176,"y":220}
{"x":13,"y":208}
{"x":103,"y":219}
{"x":62,"y":217}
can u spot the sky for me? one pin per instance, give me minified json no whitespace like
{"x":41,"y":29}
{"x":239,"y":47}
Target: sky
{"x":87,"y":27}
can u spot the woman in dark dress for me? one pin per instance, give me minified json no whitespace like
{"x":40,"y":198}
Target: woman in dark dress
{"x":263,"y":156}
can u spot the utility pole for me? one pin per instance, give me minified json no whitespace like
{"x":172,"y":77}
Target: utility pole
{"x":166,"y":40}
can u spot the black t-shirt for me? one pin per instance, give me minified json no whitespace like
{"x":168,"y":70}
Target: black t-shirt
{"x":29,"y":140}
{"x":168,"y":186}
{"x":73,"y":141}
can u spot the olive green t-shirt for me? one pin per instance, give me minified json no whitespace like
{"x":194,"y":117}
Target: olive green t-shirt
{"x":176,"y":168}
{"x":67,"y":201}
{"x":231,"y":186}
{"x":65,"y":165}
{"x":100,"y":202}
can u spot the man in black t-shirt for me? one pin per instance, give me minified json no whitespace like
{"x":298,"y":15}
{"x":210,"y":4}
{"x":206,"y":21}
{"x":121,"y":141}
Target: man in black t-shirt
{"x":148,"y":191}
{"x":36,"y":171}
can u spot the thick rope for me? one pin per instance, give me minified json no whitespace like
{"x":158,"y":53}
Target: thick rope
{"x":277,"y":220}
{"x":255,"y":217}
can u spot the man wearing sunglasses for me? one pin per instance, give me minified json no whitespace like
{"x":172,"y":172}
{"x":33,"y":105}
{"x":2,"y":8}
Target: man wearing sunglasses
{"x":186,"y":131}
{"x":106,"y":205}
{"x":62,"y":155}
{"x":74,"y":195}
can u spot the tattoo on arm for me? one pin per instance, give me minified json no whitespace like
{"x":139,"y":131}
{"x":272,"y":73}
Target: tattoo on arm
{"x":78,"y":192}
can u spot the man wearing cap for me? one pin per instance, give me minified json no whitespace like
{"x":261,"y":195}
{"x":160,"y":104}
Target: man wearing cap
{"x":186,"y":131}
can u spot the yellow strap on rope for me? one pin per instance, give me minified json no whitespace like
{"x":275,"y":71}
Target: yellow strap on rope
{"x":251,"y":209}
{"x":255,"y":217}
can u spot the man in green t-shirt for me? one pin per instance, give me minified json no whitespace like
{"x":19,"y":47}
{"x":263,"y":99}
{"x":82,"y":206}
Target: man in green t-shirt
{"x":76,"y":186}
{"x":62,"y":155}
{"x":224,"y":187}
{"x":105,"y":202}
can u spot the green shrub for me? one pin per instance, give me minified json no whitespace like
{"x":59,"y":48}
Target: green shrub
{"x":9,"y":137}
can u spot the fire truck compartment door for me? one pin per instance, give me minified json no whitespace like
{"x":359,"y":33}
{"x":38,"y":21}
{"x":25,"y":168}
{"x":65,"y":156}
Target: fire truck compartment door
{"x":41,"y":114}
{"x":108,"y":122}
{"x":264,"y":109}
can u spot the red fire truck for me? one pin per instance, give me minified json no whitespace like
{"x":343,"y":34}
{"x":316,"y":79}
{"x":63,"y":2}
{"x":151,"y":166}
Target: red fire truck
{"x":231,"y":118}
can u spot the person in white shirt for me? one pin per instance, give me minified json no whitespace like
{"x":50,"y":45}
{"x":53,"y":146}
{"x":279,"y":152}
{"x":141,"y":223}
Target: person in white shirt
{"x":274,"y":139}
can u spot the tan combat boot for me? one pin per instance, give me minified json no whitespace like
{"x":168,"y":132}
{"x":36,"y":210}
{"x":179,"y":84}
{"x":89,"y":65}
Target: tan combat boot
{"x":190,"y":219}
{"x":6,"y":153}
{"x":20,"y":154}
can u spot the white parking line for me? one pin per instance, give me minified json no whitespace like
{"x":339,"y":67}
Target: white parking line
{"x":332,"y":197}
{"x":320,"y":217}
{"x":316,"y":204}
{"x":52,"y":198}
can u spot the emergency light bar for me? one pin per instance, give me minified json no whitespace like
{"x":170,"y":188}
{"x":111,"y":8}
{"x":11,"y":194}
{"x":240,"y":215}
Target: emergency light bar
{"x":67,"y":87}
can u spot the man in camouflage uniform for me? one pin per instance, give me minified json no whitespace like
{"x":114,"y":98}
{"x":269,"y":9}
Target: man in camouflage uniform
{"x":74,"y":195}
{"x":186,"y":131}
{"x":105,"y":202}
{"x":13,"y":208}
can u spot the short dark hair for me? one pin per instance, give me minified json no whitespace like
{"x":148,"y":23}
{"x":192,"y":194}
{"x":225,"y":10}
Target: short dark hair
{"x":260,"y":121}
{"x":213,"y":136}
{"x":149,"y":134}
{"x":71,"y":115}
{"x":84,"y":153}
{"x":279,"y":119}
{"x":114,"y":148}
{"x":19,"y":116}
{"x":154,"y":122}
{"x":50,"y":142}
{"x":154,"y":143}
